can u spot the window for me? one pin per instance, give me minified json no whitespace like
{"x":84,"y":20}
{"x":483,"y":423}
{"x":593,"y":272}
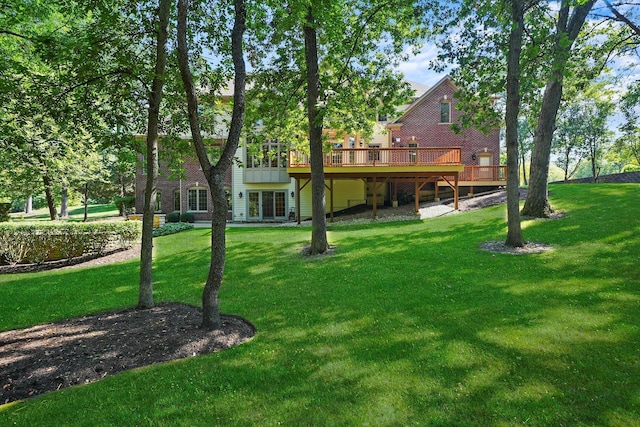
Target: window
{"x":197,"y":198}
{"x":158,"y":207}
{"x":177,"y":203}
{"x":382,"y":117}
{"x":412,"y":153}
{"x":374,"y":153}
{"x":227,"y":192}
{"x":143,"y":165}
{"x":272,"y":154}
{"x":445,"y":112}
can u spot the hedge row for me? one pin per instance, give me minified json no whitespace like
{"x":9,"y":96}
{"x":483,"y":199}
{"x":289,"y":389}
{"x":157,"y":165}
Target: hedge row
{"x":39,"y":242}
{"x":180,"y":217}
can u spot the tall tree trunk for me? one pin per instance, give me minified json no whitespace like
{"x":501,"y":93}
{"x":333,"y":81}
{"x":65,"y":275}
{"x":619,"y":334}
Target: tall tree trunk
{"x":537,"y":203}
{"x":215,"y":174}
{"x":64,"y":199}
{"x":28,"y":206}
{"x":145,"y":291}
{"x":123,"y":204}
{"x":85,"y":200}
{"x":319,"y":243}
{"x":524,"y":169}
{"x":514,"y":230}
{"x":48,"y":192}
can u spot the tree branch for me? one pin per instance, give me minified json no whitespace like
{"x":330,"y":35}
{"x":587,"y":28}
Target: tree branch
{"x":620,"y":17}
{"x":11,"y":33}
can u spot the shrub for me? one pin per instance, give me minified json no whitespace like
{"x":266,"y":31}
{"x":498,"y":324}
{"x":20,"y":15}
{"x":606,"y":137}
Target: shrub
{"x":187,"y":217}
{"x":5,"y":208}
{"x":173,"y":217}
{"x":171,"y":228}
{"x":39,"y":242}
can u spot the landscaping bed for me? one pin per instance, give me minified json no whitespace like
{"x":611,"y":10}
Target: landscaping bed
{"x":49,"y":357}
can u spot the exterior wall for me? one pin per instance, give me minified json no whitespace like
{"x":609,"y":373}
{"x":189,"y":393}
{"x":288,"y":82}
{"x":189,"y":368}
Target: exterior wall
{"x":347,"y":193}
{"x":380,"y":135}
{"x":422,"y":122}
{"x":241,"y":204}
{"x":193,"y":178}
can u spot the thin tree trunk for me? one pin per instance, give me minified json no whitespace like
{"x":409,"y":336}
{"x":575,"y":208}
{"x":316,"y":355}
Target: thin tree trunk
{"x":215,"y":174}
{"x":514,"y":230}
{"x":48,"y":192}
{"x":537,"y":202}
{"x":64,"y":198}
{"x":28,"y":206}
{"x":123,"y":204}
{"x":145,"y":291}
{"x":524,"y":169}
{"x":85,"y":198}
{"x":319,"y":243}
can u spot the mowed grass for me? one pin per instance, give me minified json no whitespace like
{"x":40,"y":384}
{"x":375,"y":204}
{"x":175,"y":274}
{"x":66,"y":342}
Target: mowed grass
{"x":406,"y":324}
{"x":76,"y":213}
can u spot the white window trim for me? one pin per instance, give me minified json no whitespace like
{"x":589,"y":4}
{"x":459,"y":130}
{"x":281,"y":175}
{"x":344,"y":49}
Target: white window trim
{"x":198,"y":201}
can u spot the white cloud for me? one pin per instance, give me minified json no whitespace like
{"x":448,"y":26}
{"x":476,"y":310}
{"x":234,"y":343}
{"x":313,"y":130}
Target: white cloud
{"x":417,"y":68}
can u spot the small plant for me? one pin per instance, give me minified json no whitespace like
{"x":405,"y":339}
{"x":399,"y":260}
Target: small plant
{"x":171,"y":228}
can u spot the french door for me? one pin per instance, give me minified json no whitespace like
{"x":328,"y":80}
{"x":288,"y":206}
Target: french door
{"x":267,"y":205}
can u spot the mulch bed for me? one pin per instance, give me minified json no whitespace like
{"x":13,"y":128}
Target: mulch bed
{"x":49,"y":357}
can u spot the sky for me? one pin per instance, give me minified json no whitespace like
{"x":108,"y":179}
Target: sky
{"x":417,"y":67}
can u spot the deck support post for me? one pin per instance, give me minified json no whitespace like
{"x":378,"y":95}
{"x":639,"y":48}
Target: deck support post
{"x":331,"y":198}
{"x":456,"y":192}
{"x":375,"y":198}
{"x":416,"y":196}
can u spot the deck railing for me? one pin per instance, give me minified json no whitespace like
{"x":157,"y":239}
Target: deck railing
{"x":418,"y":156}
{"x":484,"y":173}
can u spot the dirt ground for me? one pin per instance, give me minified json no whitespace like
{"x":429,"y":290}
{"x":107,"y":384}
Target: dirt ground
{"x":49,"y":357}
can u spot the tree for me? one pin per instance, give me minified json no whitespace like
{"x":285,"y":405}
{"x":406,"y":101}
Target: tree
{"x":569,"y":22}
{"x":145,"y":292}
{"x":525,"y":138}
{"x":341,"y":70}
{"x":567,"y":141}
{"x":514,"y":230}
{"x":215,"y":173}
{"x":319,"y":242}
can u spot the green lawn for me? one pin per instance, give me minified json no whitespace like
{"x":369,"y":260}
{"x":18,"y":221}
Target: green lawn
{"x":76,"y":213}
{"x":407,"y":323}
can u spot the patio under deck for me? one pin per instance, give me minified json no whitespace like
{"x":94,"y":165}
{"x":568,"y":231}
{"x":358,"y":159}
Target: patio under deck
{"x":381,"y":165}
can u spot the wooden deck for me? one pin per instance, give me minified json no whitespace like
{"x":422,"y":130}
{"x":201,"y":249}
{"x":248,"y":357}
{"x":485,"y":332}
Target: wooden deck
{"x":420,"y":165}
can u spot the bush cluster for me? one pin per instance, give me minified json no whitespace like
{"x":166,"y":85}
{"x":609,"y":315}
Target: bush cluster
{"x":187,"y":217}
{"x":171,"y":228}
{"x":180,"y":217}
{"x":5,"y":208}
{"x":39,"y":242}
{"x":173,"y":217}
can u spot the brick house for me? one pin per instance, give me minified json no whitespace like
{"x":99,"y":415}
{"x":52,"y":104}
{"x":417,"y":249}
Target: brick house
{"x":187,"y":194}
{"x":412,"y":157}
{"x":416,"y":158}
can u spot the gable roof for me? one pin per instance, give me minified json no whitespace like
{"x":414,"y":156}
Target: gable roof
{"x":425,"y":94}
{"x":418,"y":88}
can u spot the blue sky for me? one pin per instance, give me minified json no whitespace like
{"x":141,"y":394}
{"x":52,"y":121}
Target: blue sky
{"x":417,"y":67}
